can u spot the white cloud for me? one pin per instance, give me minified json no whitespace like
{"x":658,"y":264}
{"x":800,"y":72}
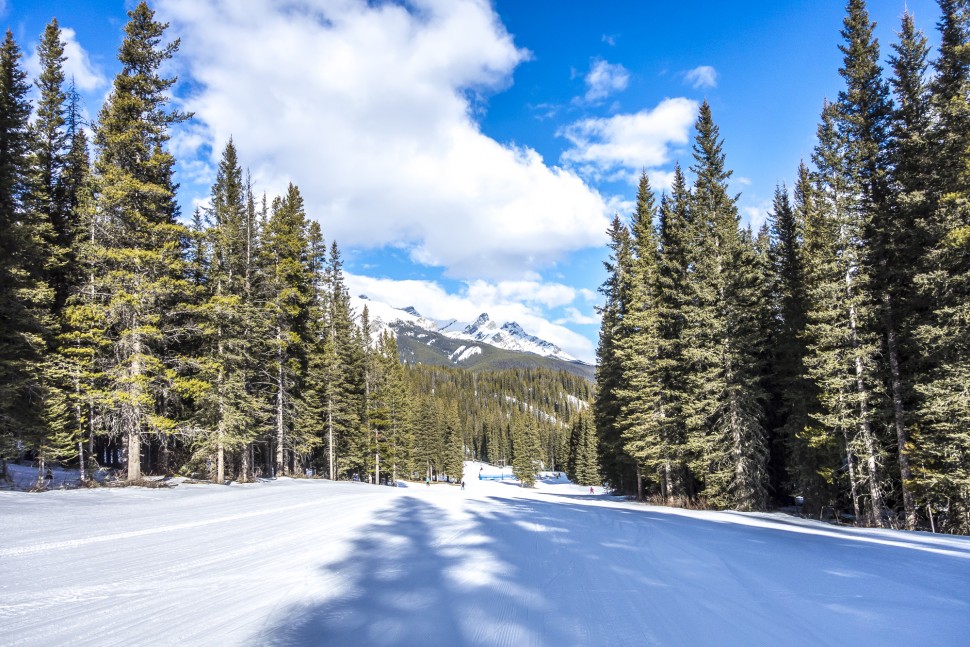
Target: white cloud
{"x":703,"y":76}
{"x":519,"y":301}
{"x":78,"y":66}
{"x":573,"y":315}
{"x":631,"y":141}
{"x":756,"y":215}
{"x":87,"y":76}
{"x":604,"y":79}
{"x":365,"y":106}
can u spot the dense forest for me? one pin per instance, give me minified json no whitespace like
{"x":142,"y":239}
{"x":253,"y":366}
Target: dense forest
{"x":825,"y":356}
{"x":223,"y":345}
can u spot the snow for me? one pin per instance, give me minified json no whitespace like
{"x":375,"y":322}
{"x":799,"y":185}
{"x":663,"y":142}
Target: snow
{"x":464,"y":352}
{"x":312,"y":562}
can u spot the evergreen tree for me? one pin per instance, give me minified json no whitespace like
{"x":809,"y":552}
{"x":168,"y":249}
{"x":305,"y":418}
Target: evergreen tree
{"x":287,"y":292}
{"x":794,"y":250}
{"x":640,"y":419}
{"x":453,"y":458}
{"x":944,"y":280}
{"x":862,"y":114}
{"x":139,"y":278}
{"x":345,"y":378}
{"x":673,"y":296}
{"x":724,"y":416}
{"x":525,"y":449}
{"x":25,"y":295}
{"x":608,"y":403}
{"x":226,"y":411}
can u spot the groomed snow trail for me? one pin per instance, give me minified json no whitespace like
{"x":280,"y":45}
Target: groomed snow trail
{"x":298,"y":562}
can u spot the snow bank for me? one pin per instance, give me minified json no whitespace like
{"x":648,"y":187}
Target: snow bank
{"x":312,"y":562}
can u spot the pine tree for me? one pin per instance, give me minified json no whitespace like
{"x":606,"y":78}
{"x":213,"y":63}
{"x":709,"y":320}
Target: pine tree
{"x":724,"y":417}
{"x":798,"y":235}
{"x":862,"y":114}
{"x":452,"y":460}
{"x":50,"y":146}
{"x":139,"y":252}
{"x":676,"y":237}
{"x":583,"y":453}
{"x":608,"y":403}
{"x":287,"y":293}
{"x":25,"y":295}
{"x":525,"y":449}
{"x":640,"y":419}
{"x":391,"y":393}
{"x":944,"y":280}
{"x":225,"y":411}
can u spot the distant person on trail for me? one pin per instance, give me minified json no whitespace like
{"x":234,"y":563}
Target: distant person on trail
{"x":590,"y":489}
{"x":48,"y":478}
{"x":463,"y":484}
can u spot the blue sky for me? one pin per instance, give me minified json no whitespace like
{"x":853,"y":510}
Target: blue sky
{"x":468,"y":155}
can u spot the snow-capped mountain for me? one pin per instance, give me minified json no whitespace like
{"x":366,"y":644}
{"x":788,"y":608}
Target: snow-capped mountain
{"x":509,"y":336}
{"x":484,"y":332}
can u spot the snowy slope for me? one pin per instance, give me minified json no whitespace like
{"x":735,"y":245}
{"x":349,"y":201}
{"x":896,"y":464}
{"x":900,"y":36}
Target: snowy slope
{"x":299,"y":562}
{"x":508,"y":336}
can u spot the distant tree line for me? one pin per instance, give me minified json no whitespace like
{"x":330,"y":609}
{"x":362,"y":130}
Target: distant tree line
{"x":224,"y":347}
{"x":827,"y":355}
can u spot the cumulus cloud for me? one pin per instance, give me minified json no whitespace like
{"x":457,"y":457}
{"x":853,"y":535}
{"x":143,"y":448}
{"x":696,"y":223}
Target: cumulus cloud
{"x":574,"y":316}
{"x":366,"y":107}
{"x":604,"y":79}
{"x":519,"y":301}
{"x":756,"y":215}
{"x":630,"y":141}
{"x":78,"y":66}
{"x":703,"y":76}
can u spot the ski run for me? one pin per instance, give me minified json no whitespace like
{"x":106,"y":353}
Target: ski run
{"x":314,"y":562}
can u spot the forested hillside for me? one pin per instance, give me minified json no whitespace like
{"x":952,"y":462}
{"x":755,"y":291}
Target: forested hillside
{"x":224,"y":348}
{"x":826,"y":355}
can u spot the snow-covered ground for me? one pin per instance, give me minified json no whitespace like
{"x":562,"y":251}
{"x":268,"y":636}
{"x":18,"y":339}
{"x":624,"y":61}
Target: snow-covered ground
{"x":305,"y":562}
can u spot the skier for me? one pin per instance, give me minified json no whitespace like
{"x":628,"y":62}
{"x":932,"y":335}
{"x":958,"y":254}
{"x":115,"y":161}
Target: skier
{"x":463,"y":484}
{"x":48,"y":478}
{"x":590,"y":489}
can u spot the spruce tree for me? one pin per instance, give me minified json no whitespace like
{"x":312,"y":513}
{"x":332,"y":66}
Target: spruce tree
{"x":226,"y":410}
{"x":287,"y":293}
{"x":862,"y":114}
{"x":138,"y":250}
{"x":608,"y":403}
{"x":525,"y":449}
{"x":25,"y":295}
{"x":944,"y":280}
{"x":675,"y":239}
{"x":640,"y":419}
{"x":724,"y":415}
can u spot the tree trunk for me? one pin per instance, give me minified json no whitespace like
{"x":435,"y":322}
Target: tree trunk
{"x":333,"y":476}
{"x":220,"y":464}
{"x":899,"y":415}
{"x":244,"y":465}
{"x":280,"y":429}
{"x":865,"y":426}
{"x":639,"y":483}
{"x":853,"y":487}
{"x":133,"y":456}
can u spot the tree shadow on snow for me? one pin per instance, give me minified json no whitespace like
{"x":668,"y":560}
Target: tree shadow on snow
{"x":531,"y":572}
{"x":409,"y":579}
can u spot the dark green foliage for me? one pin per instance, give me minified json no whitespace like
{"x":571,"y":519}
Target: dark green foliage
{"x":26,"y":324}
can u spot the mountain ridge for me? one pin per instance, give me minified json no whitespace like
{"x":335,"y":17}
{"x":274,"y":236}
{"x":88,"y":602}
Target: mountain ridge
{"x":480,"y":345}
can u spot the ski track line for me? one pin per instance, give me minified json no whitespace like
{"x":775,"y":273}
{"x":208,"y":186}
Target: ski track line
{"x":74,"y":543}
